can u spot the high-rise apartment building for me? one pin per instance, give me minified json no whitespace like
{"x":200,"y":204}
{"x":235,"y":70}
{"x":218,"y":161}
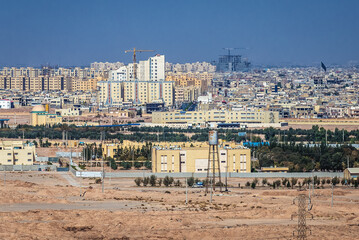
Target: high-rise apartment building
{"x":110,"y":93}
{"x":152,"y":69}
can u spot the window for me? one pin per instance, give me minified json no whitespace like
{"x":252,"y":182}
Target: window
{"x":29,"y":153}
{"x":9,"y":154}
{"x":9,"y":160}
{"x":29,"y":160}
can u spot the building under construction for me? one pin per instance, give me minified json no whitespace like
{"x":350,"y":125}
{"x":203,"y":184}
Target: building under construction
{"x":232,"y":63}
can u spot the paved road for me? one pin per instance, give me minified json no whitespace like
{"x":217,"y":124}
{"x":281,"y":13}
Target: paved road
{"x":69,"y":177}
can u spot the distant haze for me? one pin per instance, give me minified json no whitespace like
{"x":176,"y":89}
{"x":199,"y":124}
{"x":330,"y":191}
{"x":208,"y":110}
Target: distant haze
{"x":67,"y":32}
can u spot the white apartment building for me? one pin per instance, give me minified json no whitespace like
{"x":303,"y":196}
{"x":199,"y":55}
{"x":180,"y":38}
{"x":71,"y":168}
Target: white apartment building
{"x":5,"y":104}
{"x":119,"y":74}
{"x":152,"y":69}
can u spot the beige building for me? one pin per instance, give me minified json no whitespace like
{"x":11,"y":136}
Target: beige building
{"x":73,"y":111}
{"x":39,"y":116}
{"x":195,"y":159}
{"x":142,"y":92}
{"x":223,"y":116}
{"x":110,"y":93}
{"x":85,"y":84}
{"x":186,"y":94}
{"x":16,"y":153}
{"x":38,"y":83}
{"x":138,"y":92}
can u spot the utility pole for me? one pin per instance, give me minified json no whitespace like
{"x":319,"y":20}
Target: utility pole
{"x":103,"y":165}
{"x":332,"y":192}
{"x":348,"y":162}
{"x":226,"y":190}
{"x":186,"y":192}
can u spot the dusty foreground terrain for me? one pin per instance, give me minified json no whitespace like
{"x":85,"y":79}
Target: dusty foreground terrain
{"x":41,"y":205}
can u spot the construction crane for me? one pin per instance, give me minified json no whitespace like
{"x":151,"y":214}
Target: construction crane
{"x":134,"y":50}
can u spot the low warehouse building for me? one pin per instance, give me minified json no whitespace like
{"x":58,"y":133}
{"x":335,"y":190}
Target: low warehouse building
{"x":195,"y":159}
{"x":350,"y":173}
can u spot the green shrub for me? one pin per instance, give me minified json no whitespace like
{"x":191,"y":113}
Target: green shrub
{"x":159,"y":182}
{"x":153,"y":180}
{"x":138,"y":181}
{"x":146,"y":180}
{"x":190,"y":181}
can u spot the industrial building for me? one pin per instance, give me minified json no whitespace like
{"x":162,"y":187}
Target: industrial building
{"x":195,"y":159}
{"x":16,"y":153}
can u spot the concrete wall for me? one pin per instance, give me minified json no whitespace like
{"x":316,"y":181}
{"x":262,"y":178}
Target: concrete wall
{"x":203,"y":175}
{"x":27,"y":167}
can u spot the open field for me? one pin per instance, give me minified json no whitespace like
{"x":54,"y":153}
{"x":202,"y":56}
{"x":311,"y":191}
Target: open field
{"x":46,"y":205}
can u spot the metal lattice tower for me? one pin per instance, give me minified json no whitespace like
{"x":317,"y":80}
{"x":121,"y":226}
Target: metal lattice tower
{"x":302,"y":227}
{"x":302,"y":224}
{"x":213,"y":162}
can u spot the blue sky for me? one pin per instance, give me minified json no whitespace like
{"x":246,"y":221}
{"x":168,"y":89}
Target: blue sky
{"x":68,"y":33}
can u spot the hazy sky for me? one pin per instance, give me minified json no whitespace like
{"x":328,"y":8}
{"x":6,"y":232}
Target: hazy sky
{"x":74,"y":32}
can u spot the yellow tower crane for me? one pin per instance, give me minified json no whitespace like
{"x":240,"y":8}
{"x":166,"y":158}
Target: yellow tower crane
{"x":134,"y":50}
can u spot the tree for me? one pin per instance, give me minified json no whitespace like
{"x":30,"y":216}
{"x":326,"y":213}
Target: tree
{"x":178,"y":183}
{"x":264,"y":181}
{"x":253,"y":185}
{"x":148,"y":164}
{"x":335,"y":180}
{"x":126,"y":165}
{"x":343,"y":181}
{"x":167,"y":181}
{"x":248,"y":184}
{"x":276,"y":183}
{"x":138,"y":181}
{"x":112,"y":163}
{"x":294,"y":181}
{"x":323,"y":182}
{"x":190,"y":181}
{"x":153,"y":179}
{"x":146,"y":180}
{"x":159,"y":182}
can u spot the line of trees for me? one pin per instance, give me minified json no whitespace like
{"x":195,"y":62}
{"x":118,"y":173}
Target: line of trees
{"x":314,"y":135}
{"x":302,"y":158}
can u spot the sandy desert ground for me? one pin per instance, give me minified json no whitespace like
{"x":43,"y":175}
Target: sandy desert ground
{"x":46,"y":205}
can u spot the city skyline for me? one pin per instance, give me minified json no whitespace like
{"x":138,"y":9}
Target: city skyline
{"x":274,"y":32}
